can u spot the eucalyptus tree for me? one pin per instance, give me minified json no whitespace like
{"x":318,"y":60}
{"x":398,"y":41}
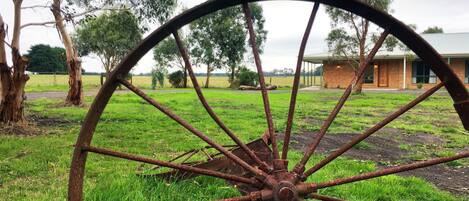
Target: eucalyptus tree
{"x":12,"y":78}
{"x":166,"y":55}
{"x":109,"y":36}
{"x":220,"y":39}
{"x":351,"y":36}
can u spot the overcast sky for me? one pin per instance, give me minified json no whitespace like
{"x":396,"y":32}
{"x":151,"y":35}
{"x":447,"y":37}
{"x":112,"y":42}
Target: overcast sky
{"x":285,"y":23}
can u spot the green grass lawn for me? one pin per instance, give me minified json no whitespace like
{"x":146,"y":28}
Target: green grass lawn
{"x":36,"y":168}
{"x":40,"y":83}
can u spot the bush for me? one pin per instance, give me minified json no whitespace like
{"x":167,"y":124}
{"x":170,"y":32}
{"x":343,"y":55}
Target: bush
{"x":157,"y":77}
{"x":246,"y":77}
{"x":176,"y":79}
{"x":419,"y":86}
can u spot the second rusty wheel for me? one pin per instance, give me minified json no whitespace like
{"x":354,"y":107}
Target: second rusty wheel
{"x":271,"y":180}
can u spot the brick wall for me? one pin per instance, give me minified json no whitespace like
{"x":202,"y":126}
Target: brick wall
{"x":339,"y":74}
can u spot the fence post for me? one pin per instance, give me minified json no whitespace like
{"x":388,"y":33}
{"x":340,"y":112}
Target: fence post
{"x":314,"y":73}
{"x":55,"y":78}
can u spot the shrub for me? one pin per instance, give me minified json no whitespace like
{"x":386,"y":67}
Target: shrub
{"x":247,"y":77}
{"x":157,"y":77}
{"x":419,"y":86}
{"x":176,"y":79}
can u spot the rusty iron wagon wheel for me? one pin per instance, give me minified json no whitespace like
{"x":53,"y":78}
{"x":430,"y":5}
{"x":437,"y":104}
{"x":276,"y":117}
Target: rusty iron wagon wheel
{"x":268,"y":177}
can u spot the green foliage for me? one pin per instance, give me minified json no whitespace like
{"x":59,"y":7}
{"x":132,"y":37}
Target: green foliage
{"x":220,"y":39}
{"x":110,"y":36}
{"x":419,"y":85}
{"x":247,"y":77}
{"x":166,"y":54}
{"x":149,"y":11}
{"x":44,"y":58}
{"x":434,"y":29}
{"x":157,"y":77}
{"x":176,"y":79}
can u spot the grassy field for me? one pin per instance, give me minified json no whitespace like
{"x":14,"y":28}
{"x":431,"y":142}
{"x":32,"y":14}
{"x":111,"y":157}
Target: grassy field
{"x":36,"y":167}
{"x":39,"y":83}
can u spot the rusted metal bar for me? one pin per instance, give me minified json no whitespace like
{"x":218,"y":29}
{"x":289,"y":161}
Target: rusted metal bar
{"x":189,"y":154}
{"x":296,"y":81}
{"x":133,"y":157}
{"x":241,"y":198}
{"x":300,"y":167}
{"x":185,"y":56}
{"x":392,"y":170}
{"x":256,"y":195}
{"x":323,"y":197}
{"x":193,"y":130}
{"x":373,"y":129}
{"x":265,"y":96}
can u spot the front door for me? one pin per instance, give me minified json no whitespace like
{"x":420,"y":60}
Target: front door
{"x":383,"y":76}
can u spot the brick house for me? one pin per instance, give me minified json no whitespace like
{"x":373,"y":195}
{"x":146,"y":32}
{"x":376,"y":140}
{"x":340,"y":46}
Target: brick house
{"x":399,"y":69}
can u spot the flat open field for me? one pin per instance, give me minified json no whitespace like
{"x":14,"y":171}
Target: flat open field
{"x":39,"y":83}
{"x":37,"y":167}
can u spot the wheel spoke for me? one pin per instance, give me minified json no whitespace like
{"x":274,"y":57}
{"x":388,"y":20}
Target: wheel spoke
{"x":300,"y":167}
{"x":392,"y":170}
{"x":186,"y":168}
{"x":244,"y":147}
{"x":193,"y":130}
{"x":373,"y":129}
{"x":265,"y":97}
{"x":296,"y":81}
{"x":323,"y":197}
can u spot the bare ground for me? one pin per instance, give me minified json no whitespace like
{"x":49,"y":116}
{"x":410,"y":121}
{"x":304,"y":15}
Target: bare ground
{"x":385,"y":149}
{"x":33,"y":126}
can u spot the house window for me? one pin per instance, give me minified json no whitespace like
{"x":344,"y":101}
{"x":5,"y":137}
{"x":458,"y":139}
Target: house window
{"x":369,"y":75}
{"x":421,"y":73}
{"x":466,"y":77}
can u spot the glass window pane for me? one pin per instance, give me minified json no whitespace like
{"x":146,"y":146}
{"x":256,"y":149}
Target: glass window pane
{"x":369,"y":75}
{"x":422,"y":73}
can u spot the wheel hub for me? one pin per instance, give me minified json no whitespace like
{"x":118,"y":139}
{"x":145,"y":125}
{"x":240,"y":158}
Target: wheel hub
{"x":285,"y":191}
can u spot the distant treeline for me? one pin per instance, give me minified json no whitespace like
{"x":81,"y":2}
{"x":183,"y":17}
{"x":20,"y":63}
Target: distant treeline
{"x":317,"y":72}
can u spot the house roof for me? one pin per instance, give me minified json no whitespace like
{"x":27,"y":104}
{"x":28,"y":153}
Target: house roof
{"x":454,"y":45}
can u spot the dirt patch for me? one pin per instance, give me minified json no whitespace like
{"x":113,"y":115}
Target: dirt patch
{"x":20,"y":129}
{"x":376,"y":148}
{"x":42,"y":121}
{"x":33,"y":126}
{"x":454,"y":180}
{"x":385,"y":148}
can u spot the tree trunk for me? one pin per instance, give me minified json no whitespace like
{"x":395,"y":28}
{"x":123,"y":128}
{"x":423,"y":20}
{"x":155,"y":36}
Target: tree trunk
{"x":13,"y":83}
{"x":12,"y":80}
{"x":357,"y":89}
{"x":207,"y":80}
{"x":75,"y":92}
{"x":232,"y":77}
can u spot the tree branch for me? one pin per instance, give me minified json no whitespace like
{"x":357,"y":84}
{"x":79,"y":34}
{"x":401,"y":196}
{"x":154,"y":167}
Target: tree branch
{"x":35,"y":6}
{"x":8,"y":44}
{"x":37,"y":24}
{"x":68,"y":17}
{"x":355,"y":26}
